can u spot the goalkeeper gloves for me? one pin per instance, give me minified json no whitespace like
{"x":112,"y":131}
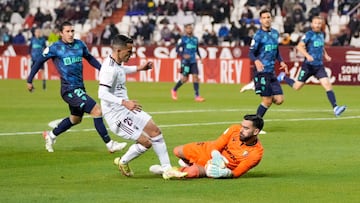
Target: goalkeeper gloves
{"x":218,"y":159}
{"x":216,"y":166}
{"x":215,"y":171}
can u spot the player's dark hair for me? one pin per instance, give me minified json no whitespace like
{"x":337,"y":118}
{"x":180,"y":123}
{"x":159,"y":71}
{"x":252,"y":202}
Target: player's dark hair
{"x":121,"y":40}
{"x":63,"y":24}
{"x":264,"y":11}
{"x":257,"y":120}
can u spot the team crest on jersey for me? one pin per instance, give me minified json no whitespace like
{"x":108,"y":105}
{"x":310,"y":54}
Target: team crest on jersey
{"x":245,"y":153}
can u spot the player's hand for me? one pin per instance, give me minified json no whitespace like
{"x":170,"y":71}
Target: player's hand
{"x":259,"y":66}
{"x":132,"y":105}
{"x":214,"y":171}
{"x":309,"y":58}
{"x":327,"y":57}
{"x":284,"y":67}
{"x":146,"y":66}
{"x":30,"y":87}
{"x":218,"y":159}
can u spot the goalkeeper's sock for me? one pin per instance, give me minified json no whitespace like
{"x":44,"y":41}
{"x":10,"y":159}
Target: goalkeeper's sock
{"x":159,"y":146}
{"x":133,"y":152}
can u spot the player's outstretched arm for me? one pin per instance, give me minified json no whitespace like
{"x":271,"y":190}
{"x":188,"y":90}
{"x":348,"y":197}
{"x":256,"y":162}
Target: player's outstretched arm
{"x":145,"y":66}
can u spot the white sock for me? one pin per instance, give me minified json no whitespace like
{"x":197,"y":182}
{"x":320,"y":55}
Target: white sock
{"x":133,"y":152}
{"x":51,"y":134}
{"x":160,"y":149}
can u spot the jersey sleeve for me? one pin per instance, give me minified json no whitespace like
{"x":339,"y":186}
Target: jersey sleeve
{"x":254,"y":46}
{"x":48,"y":53}
{"x":106,"y":79}
{"x":253,"y":158}
{"x":224,"y":138}
{"x":90,"y":58}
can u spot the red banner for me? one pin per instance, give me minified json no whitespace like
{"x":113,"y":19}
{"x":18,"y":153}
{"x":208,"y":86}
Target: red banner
{"x":227,"y":71}
{"x":228,"y":65}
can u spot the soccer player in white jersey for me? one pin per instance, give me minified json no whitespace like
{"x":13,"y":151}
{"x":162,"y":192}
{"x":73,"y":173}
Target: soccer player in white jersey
{"x":124,"y":116}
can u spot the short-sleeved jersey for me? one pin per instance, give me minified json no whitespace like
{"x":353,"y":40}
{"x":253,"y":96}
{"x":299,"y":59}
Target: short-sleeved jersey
{"x":314,"y":43}
{"x":113,"y":76}
{"x":67,"y":58}
{"x":188,"y":45}
{"x":37,"y":45}
{"x":241,"y":156}
{"x":264,"y":47}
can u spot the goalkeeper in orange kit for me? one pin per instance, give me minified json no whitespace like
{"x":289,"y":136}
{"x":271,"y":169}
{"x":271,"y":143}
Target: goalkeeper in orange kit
{"x":234,"y":153}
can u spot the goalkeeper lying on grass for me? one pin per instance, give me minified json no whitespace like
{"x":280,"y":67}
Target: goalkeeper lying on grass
{"x":234,"y":153}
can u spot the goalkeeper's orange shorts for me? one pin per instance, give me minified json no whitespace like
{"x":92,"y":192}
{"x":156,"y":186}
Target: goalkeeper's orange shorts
{"x":198,"y":152}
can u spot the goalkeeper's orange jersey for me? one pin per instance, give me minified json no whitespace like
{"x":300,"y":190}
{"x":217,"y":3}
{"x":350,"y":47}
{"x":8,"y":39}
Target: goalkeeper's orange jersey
{"x":241,"y":157}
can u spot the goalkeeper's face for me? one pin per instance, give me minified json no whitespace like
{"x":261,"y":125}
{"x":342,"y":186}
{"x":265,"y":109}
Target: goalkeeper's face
{"x":248,"y":130}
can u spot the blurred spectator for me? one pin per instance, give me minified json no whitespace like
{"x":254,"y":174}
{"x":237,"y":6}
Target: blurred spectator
{"x":6,"y":15}
{"x":354,"y":23}
{"x":213,"y":39}
{"x":314,"y":11}
{"x":165,"y":20}
{"x":326,"y":6}
{"x":94,"y":15}
{"x":175,"y":35}
{"x":289,"y":25}
{"x":29,"y":21}
{"x":16,"y":18}
{"x":19,"y":38}
{"x":53,"y":36}
{"x":251,"y":29}
{"x":234,"y":34}
{"x":47,"y":17}
{"x":298,"y":13}
{"x":343,"y":38}
{"x":205,"y":37}
{"x":109,"y":32}
{"x":4,"y":34}
{"x":223,"y":34}
{"x":247,"y":13}
{"x":355,"y":40}
{"x":38,"y":18}
{"x":243,"y":33}
{"x":165,"y":33}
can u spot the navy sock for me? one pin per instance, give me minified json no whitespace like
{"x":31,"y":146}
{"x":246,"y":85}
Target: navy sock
{"x":101,"y":129}
{"x":196,"y":88}
{"x":63,"y":126}
{"x":331,"y":96}
{"x":178,"y":85}
{"x":289,"y":81}
{"x":44,"y":84}
{"x":261,"y":110}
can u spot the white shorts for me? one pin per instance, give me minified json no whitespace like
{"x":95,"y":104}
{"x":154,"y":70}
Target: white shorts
{"x":128,"y":125}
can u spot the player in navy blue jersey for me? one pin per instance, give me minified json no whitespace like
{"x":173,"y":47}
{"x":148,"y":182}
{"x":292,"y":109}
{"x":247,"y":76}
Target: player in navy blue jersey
{"x":37,"y":45}
{"x":188,"y":47}
{"x":67,"y":55}
{"x":264,"y":51}
{"x":312,"y":47}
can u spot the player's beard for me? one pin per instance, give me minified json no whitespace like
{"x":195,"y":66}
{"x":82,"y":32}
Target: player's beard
{"x":245,"y":139}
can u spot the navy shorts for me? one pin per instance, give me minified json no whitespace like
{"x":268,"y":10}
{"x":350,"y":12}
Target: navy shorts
{"x":189,"y":68}
{"x":266,"y":84}
{"x":79,"y":102}
{"x":308,"y":70}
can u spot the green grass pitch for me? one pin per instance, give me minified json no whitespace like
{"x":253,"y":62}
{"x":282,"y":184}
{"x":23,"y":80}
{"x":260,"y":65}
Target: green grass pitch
{"x":310,"y":156}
